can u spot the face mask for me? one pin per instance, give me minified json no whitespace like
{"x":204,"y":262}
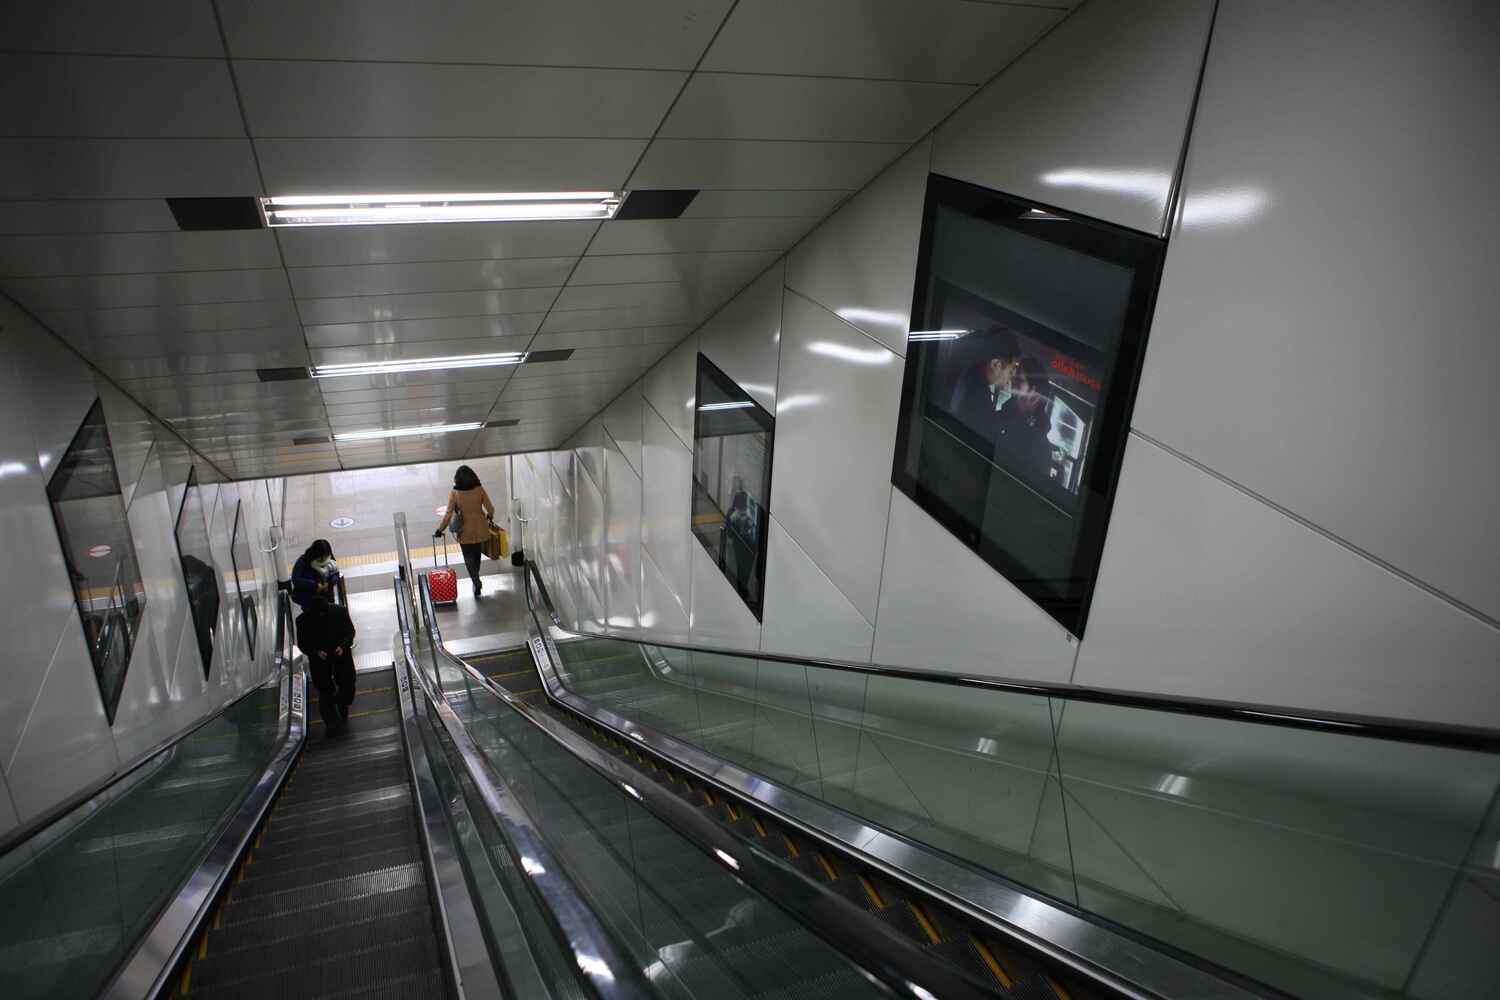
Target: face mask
{"x":324,"y":565}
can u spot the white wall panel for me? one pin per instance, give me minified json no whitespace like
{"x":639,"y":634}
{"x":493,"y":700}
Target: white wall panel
{"x":805,"y":614}
{"x":862,"y":262}
{"x":331,"y":166}
{"x":1207,"y":592}
{"x":944,"y":608}
{"x":1104,"y":141}
{"x":65,"y":744}
{"x":744,"y":338}
{"x":622,"y":421}
{"x":838,"y":398}
{"x":671,"y":388}
{"x":131,"y":437}
{"x":822,"y":108}
{"x":718,"y":615}
{"x":622,"y":539}
{"x":1379,"y":302}
{"x":663,"y":612}
{"x":75,"y":96}
{"x":287,"y":99}
{"x":591,"y":554}
{"x":959,"y":42}
{"x":8,"y":817}
{"x":56,"y":390}
{"x":666,"y":506}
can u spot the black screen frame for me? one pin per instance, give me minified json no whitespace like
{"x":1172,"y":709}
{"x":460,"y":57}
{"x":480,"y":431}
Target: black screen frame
{"x":1068,"y":604}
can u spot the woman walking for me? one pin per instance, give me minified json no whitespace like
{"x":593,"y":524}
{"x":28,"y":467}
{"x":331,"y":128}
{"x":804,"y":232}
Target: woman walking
{"x":471,"y":512}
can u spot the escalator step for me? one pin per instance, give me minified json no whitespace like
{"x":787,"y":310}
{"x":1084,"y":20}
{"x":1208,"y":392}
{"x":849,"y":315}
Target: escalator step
{"x":325,"y":895}
{"x":345,"y":971}
{"x":232,"y":965}
{"x":330,"y":871}
{"x":263,"y":930}
{"x":351,"y":806}
{"x":417,"y":986}
{"x":360,"y":843}
{"x":293,"y":838}
{"x":372,"y":775}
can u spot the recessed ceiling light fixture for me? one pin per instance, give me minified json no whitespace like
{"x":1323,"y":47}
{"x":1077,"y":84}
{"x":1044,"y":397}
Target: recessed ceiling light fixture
{"x":739,"y":404}
{"x":397,"y":432}
{"x":418,"y":365}
{"x":411,"y":209}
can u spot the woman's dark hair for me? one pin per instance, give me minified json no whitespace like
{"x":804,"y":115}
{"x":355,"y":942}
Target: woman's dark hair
{"x":318,"y":550}
{"x":464,"y":478}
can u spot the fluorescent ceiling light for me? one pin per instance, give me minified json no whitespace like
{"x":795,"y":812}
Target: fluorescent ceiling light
{"x":405,"y":432}
{"x":727,"y":858}
{"x":407,"y":209}
{"x":739,"y":404}
{"x":418,"y":365}
{"x":936,"y":334}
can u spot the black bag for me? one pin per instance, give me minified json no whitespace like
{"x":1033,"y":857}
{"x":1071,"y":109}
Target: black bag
{"x":517,"y":557}
{"x":456,"y":523}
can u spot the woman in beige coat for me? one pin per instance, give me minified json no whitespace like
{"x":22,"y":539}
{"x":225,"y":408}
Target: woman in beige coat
{"x":469,"y":500}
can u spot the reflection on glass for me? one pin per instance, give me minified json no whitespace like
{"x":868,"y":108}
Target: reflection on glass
{"x":89,"y":511}
{"x":1028,"y":329}
{"x":246,"y":582}
{"x":198,"y":571}
{"x":732,"y":436}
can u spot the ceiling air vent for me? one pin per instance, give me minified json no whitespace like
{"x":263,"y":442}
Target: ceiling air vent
{"x":311,"y":439}
{"x":502,"y":423}
{"x":216,"y":213}
{"x":661,"y":204}
{"x":282,"y":374}
{"x":561,"y":354}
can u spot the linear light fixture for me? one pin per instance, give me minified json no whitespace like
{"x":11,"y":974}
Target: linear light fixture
{"x":397,"y":432}
{"x":410,"y":209}
{"x":920,"y":335}
{"x":418,"y":364}
{"x":739,"y":404}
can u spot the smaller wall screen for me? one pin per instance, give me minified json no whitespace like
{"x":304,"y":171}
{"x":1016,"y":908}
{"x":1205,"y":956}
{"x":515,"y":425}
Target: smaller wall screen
{"x":1028,"y":327}
{"x":89,"y":510}
{"x":198,"y":572}
{"x":732,"y":436}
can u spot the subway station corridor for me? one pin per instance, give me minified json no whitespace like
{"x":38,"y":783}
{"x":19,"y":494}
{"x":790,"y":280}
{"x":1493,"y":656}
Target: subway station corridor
{"x":712,"y":499}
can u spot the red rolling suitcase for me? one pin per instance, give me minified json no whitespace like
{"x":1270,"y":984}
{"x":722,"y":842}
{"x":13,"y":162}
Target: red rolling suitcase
{"x":442,"y":581}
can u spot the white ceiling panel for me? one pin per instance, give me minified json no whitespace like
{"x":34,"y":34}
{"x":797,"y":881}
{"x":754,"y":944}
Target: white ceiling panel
{"x":356,"y":398}
{"x":956,"y":41}
{"x":143,"y":27}
{"x":302,"y":99}
{"x":622,"y":337}
{"x":754,"y":106}
{"x":505,"y":440}
{"x":425,"y":305}
{"x":600,"y":391}
{"x":129,"y":322}
{"x":136,"y":253}
{"x":154,"y":344}
{"x":670,"y":236}
{"x":659,"y":314}
{"x":123,"y":216}
{"x":443,"y":276}
{"x":417,"y":349}
{"x":656,"y":34}
{"x":362,"y":166}
{"x":732,"y":270}
{"x":753,"y":164}
{"x":668,"y":295}
{"x":429,"y":331}
{"x":410,"y":417}
{"x":466,"y":377}
{"x":126,"y":168}
{"x":68,"y":95}
{"x":473,"y":241}
{"x":746,"y":204}
{"x":187,"y":364}
{"x":116,"y":291}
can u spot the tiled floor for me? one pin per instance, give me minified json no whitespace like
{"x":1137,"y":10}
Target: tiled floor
{"x":494,"y":621}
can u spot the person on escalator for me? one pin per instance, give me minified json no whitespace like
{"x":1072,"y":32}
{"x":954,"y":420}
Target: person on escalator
{"x":314,"y":574}
{"x":326,"y":635}
{"x":472,"y":514}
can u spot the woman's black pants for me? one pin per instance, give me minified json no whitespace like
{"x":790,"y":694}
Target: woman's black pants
{"x":473,"y":552}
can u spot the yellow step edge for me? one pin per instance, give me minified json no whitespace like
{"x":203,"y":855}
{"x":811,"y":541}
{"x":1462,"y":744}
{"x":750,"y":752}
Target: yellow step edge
{"x":759,"y":826}
{"x":1057,"y":988}
{"x":828,"y":869}
{"x":924,"y":921}
{"x":791,"y":845}
{"x":875,"y":898}
{"x":992,"y":963}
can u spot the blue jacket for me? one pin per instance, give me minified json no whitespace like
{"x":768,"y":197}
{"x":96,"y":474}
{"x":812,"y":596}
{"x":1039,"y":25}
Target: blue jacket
{"x":305,"y":582}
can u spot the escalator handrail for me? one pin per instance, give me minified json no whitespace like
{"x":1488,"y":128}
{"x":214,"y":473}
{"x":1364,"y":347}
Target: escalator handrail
{"x":1126,"y":965}
{"x":1438,"y":734}
{"x":146,"y":971}
{"x":61,"y":812}
{"x":604,"y":966}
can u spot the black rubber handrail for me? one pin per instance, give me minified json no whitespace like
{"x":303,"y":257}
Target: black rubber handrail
{"x":1367,"y":726}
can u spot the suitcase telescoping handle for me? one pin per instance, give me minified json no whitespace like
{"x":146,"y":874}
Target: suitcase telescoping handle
{"x":445,"y":552}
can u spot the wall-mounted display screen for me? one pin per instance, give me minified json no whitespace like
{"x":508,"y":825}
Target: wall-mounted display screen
{"x":88,"y":508}
{"x":732,"y":436}
{"x":246,"y":581}
{"x":198,"y":572}
{"x":1027,"y":331}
